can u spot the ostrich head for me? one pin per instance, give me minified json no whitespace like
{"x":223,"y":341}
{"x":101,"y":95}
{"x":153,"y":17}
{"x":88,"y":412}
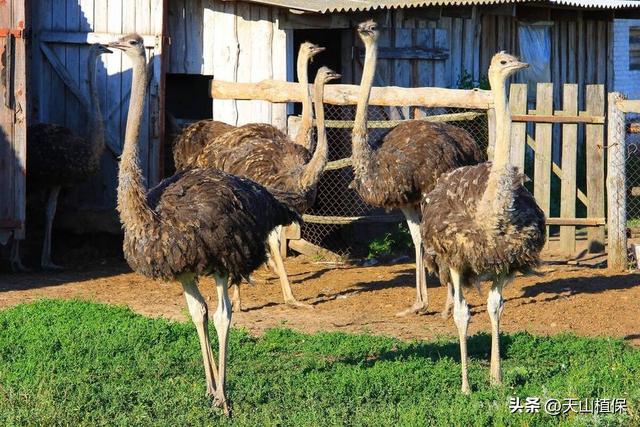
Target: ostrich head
{"x":368,"y":31}
{"x":309,"y":50}
{"x":97,"y":49}
{"x":326,"y":74}
{"x":504,"y":65}
{"x":131,"y":44}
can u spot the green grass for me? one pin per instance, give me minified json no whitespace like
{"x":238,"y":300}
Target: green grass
{"x":80,"y":363}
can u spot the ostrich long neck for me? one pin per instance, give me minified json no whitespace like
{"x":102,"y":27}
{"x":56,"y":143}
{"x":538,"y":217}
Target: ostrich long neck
{"x":304,"y":131}
{"x":313,"y":170}
{"x":96,"y":125}
{"x":497,"y":201}
{"x":361,"y":151}
{"x":132,"y":204}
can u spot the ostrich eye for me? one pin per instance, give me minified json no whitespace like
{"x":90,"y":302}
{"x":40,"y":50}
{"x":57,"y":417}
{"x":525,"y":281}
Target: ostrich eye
{"x":133,"y":42}
{"x":503,"y":62}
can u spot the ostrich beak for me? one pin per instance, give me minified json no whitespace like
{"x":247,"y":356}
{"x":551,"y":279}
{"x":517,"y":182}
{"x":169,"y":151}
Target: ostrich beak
{"x":103,"y":49}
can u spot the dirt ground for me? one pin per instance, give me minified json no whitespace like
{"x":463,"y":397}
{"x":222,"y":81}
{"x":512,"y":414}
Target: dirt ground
{"x":584,"y":300}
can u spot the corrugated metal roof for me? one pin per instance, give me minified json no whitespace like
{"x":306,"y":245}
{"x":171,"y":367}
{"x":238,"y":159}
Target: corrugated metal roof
{"x":328,"y":6}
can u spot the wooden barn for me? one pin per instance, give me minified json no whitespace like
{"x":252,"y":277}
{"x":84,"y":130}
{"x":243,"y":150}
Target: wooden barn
{"x":424,"y":43}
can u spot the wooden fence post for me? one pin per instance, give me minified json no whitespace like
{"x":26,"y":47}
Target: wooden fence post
{"x":616,"y":186}
{"x":595,"y":103}
{"x":569,"y":169}
{"x":544,"y":141}
{"x":491,"y":125}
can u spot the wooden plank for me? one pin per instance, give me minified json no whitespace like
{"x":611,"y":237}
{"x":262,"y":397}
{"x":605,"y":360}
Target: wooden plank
{"x":114,"y":72}
{"x":194,"y":53}
{"x":262,"y":65}
{"x":244,"y":25}
{"x":63,"y":75}
{"x":158,"y":24}
{"x":439,"y":67}
{"x":445,"y":43}
{"x":208,"y":35}
{"x":518,"y":106}
{"x":75,"y":114}
{"x":278,"y":91}
{"x":569,"y":169}
{"x":177,"y":10}
{"x":91,"y":37}
{"x":424,"y":38}
{"x":279,"y":63}
{"x":543,"y":138}
{"x":628,"y":106}
{"x":409,"y":52}
{"x":57,"y":85}
{"x":225,"y":58}
{"x":402,"y":69}
{"x":616,"y":187}
{"x":573,"y":222}
{"x":311,"y":250}
{"x":549,"y":118}
{"x":595,"y":166}
{"x":456,"y":44}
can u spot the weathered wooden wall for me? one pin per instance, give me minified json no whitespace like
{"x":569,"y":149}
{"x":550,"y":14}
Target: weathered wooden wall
{"x":13,"y":145}
{"x":232,"y":41}
{"x":61,"y":32}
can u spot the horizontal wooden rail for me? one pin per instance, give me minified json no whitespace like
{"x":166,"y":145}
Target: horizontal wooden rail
{"x":585,"y":222}
{"x":386,"y":124}
{"x":338,"y":164}
{"x":629,"y":106}
{"x":390,"y":96}
{"x":79,"y":37}
{"x":545,"y":118}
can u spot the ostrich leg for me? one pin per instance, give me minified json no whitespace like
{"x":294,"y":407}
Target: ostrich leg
{"x":222,"y":321}
{"x":448,"y":305}
{"x":15,"y":260}
{"x":50,"y":213}
{"x":420,"y":305}
{"x":461,"y":317}
{"x":198,"y":310}
{"x":276,"y":258}
{"x":495,"y":304}
{"x":236,"y":302}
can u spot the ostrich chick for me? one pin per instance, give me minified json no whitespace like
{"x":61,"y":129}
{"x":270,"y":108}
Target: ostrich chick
{"x":483,"y":223}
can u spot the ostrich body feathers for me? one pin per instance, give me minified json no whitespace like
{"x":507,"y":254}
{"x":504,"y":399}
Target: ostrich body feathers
{"x":409,"y":161}
{"x":57,"y":156}
{"x":204,"y":221}
{"x":192,"y":140}
{"x":476,"y":237}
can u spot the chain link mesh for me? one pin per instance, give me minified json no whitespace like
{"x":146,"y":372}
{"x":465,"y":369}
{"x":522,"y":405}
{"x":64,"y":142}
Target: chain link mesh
{"x":632,"y":139}
{"x":336,"y":199}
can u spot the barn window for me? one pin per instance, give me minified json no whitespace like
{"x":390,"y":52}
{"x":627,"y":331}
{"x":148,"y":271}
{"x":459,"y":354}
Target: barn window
{"x":634,"y":48}
{"x":535,"y":49}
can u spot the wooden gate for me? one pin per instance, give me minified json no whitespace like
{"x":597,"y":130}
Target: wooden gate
{"x":63,"y":31}
{"x":13,"y":108}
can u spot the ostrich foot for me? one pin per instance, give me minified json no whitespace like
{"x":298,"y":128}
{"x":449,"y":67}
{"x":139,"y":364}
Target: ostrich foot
{"x":220,"y":401}
{"x":446,"y":313}
{"x":465,"y":389}
{"x":50,"y":266}
{"x":294,"y":303}
{"x":18,"y":267}
{"x":418,"y":307}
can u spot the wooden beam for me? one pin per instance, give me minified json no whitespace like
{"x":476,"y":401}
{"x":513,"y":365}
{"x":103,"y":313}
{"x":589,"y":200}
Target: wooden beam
{"x":279,"y":91}
{"x":628,"y":106}
{"x":78,"y":37}
{"x":546,"y":118}
{"x":569,"y":167}
{"x":341,"y":220}
{"x":311,"y":250}
{"x":434,"y":54}
{"x":595,"y":141}
{"x":585,"y":222}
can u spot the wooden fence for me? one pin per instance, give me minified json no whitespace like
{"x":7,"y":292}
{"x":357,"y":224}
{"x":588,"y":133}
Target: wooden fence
{"x":547,"y":141}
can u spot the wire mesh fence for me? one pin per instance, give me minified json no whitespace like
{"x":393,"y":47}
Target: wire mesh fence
{"x":632,"y":139}
{"x":336,"y":199}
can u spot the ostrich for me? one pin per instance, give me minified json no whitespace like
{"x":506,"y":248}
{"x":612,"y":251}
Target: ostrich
{"x":197,"y":222}
{"x":407,"y":163}
{"x":262,"y":153}
{"x":59,"y":158}
{"x":483,"y":223}
{"x":192,"y":140}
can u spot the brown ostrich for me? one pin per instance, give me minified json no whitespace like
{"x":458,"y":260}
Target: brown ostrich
{"x":483,"y":223}
{"x":192,"y":140}
{"x":406,"y":164}
{"x":264,"y":154}
{"x":197,"y":222}
{"x":59,"y":158}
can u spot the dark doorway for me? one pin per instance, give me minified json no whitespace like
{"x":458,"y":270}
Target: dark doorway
{"x":330,"y":39}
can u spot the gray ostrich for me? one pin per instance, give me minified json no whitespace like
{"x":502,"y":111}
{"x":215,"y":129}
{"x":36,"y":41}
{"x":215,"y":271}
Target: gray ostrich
{"x":197,"y":222}
{"x":264,"y":154}
{"x":484,"y":224}
{"x":407,"y":163}
{"x":192,"y":140}
{"x":59,"y":158}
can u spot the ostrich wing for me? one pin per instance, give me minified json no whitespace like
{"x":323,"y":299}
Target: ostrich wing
{"x":206,"y":220}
